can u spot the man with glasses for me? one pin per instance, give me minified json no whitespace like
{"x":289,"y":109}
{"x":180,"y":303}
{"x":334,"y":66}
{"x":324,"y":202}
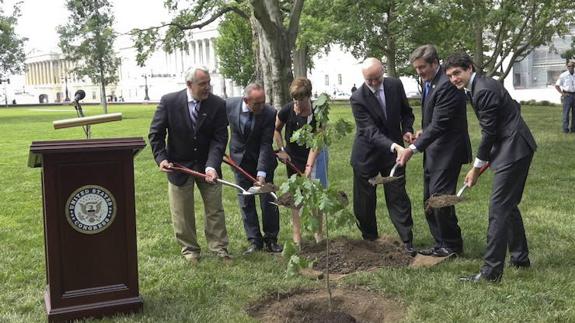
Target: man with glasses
{"x":196,"y":124}
{"x":383,"y":120}
{"x":252,"y":124}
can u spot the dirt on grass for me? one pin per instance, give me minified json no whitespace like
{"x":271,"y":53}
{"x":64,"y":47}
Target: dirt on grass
{"x":348,"y":255}
{"x":348,"y":305}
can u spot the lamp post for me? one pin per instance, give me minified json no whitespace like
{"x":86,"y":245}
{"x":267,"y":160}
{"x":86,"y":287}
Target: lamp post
{"x":7,"y":81}
{"x":67,"y":98}
{"x":146,"y":96}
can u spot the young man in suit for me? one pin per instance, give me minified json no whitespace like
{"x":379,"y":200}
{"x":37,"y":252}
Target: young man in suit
{"x":508,"y":145}
{"x":196,"y":124}
{"x":252,"y":128}
{"x":445,"y":144}
{"x":383,"y":121}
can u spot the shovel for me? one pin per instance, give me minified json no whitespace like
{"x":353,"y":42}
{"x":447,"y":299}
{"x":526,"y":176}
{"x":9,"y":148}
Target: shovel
{"x":384,"y":180}
{"x":439,"y":201}
{"x":290,"y":165}
{"x":261,"y":189}
{"x":185,"y":170}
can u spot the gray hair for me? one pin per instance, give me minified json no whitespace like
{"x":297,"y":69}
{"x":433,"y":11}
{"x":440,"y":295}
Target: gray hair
{"x":250,"y":87}
{"x":427,"y":52}
{"x":191,"y":72}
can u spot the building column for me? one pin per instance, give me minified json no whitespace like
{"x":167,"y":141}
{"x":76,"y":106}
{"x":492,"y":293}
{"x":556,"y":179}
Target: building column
{"x":214,"y":56}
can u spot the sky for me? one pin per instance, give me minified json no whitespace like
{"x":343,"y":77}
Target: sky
{"x":41,"y":17}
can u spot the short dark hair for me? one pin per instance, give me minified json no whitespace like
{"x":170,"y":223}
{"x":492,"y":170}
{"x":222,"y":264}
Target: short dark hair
{"x":461,"y":59}
{"x":427,"y":52}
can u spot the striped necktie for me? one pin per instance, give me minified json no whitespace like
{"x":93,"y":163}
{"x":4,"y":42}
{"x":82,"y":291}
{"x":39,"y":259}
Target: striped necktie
{"x":194,"y":107}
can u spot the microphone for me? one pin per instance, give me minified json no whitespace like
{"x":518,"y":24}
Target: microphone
{"x":79,"y":95}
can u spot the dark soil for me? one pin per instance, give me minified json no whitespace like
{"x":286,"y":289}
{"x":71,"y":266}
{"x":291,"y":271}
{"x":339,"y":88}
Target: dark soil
{"x":347,"y":255}
{"x":349,"y":305}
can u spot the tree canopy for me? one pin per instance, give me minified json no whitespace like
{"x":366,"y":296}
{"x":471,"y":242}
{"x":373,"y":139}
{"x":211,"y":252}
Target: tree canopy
{"x":88,"y":40}
{"x":11,"y":45}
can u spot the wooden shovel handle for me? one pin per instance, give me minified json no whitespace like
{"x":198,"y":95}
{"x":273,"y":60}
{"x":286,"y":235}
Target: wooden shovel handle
{"x":290,"y":165}
{"x":237,"y":167}
{"x":184,"y":169}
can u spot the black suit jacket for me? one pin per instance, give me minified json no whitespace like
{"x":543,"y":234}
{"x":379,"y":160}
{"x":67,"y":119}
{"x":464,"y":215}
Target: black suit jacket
{"x":505,"y":137}
{"x":197,"y":149}
{"x":445,"y":138}
{"x":256,"y":148}
{"x":375,"y":133}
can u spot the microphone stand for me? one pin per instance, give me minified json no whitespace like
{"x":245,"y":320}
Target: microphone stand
{"x":80,"y":114}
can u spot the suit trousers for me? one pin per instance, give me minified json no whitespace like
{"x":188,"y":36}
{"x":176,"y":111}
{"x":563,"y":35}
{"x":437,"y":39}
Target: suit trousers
{"x":270,"y":212}
{"x":569,"y":108}
{"x":184,"y":219}
{"x":396,"y":199}
{"x":506,"y":228}
{"x":443,"y":222}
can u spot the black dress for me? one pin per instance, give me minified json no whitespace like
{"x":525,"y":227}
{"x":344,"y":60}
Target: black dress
{"x":292,"y":123}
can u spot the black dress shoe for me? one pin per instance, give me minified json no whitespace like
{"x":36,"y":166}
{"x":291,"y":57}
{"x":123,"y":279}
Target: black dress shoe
{"x":253,"y":248}
{"x":272,"y":246}
{"x":409,"y":249}
{"x":520,"y":264}
{"x":479,"y":277}
{"x":428,"y":251}
{"x":444,"y":252}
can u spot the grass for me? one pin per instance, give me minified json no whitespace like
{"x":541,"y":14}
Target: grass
{"x":175,"y":292}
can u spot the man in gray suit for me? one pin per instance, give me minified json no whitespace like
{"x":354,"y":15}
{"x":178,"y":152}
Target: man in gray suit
{"x":507,"y":143}
{"x":445,"y":144}
{"x":252,"y":124}
{"x":195,"y":124}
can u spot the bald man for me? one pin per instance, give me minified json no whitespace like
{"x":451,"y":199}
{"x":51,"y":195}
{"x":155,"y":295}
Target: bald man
{"x":383,"y":121}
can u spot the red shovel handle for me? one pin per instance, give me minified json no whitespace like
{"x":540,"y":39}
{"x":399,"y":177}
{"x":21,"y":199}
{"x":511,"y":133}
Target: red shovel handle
{"x":237,"y":167}
{"x":290,"y":165}
{"x":183,"y":169}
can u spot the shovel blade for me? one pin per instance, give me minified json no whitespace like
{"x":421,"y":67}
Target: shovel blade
{"x":383,"y":180}
{"x":439,"y":201}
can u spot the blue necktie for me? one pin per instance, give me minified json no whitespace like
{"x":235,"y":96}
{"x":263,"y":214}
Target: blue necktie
{"x":249,"y":116}
{"x":426,"y":89}
{"x":193,"y":106}
{"x":380,"y":96}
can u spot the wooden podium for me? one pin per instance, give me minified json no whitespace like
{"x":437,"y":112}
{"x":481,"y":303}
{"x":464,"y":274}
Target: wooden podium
{"x":89,"y":226}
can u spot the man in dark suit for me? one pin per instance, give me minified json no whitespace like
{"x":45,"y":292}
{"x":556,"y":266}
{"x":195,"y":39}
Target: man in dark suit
{"x":195,"y":123}
{"x":445,"y":144}
{"x":252,"y":124}
{"x":508,"y":145}
{"x":383,"y":121}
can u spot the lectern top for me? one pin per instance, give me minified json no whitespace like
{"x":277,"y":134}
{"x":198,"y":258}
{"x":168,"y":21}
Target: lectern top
{"x":39,"y":148}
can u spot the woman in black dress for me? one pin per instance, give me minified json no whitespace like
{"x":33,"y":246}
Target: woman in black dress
{"x":310,"y":162}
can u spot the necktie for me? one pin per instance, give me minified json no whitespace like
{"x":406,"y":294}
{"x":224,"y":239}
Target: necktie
{"x":194,"y":107}
{"x":380,"y":95}
{"x":469,"y":97}
{"x":426,"y":89}
{"x":248,"y":123}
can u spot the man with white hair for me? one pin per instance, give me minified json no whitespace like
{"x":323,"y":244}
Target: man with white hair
{"x":195,"y":123}
{"x":383,"y":121}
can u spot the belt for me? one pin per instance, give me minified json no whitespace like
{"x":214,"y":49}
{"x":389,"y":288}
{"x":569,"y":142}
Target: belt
{"x":567,"y":92}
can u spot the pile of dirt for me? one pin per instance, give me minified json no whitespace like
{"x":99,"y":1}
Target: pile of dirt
{"x":349,"y":305}
{"x":347,"y":255}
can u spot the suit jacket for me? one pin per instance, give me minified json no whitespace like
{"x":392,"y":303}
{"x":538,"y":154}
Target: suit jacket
{"x":196,"y":148}
{"x":374,"y":132}
{"x":505,"y":137}
{"x":445,"y":139}
{"x":255,"y":148}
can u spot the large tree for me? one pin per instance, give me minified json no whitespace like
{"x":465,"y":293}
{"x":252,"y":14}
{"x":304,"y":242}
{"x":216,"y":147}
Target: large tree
{"x":275,"y":26}
{"x":11,"y":45}
{"x":88,"y":40}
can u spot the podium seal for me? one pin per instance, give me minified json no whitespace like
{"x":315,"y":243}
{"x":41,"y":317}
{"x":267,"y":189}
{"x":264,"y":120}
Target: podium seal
{"x":90,"y":209}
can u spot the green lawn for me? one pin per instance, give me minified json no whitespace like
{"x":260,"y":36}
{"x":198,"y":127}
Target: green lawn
{"x":175,"y":292}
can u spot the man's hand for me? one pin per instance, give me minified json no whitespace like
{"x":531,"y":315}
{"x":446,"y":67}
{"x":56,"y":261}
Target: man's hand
{"x":417,"y":134}
{"x":403,"y":155}
{"x":408,"y":137}
{"x":211,"y":176}
{"x":261,"y":181}
{"x":283,"y":156}
{"x":472,"y":176}
{"x":165,"y":166}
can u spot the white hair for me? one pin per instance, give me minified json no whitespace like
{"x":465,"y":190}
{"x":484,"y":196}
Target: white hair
{"x":252,"y":86}
{"x":191,"y":72}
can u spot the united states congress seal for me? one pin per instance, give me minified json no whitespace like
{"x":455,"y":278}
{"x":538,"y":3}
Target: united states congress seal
{"x":91,"y":209}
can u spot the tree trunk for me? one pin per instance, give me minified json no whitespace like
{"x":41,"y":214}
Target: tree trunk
{"x":103,"y":98}
{"x":391,"y":53}
{"x":299,"y":62}
{"x":478,"y":48}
